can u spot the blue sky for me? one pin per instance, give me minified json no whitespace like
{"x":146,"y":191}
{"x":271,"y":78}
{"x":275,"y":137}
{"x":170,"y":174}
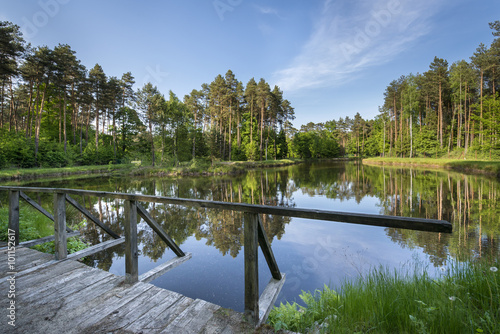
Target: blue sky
{"x":331,"y":58}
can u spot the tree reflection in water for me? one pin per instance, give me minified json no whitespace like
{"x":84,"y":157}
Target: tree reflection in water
{"x":469,"y":202}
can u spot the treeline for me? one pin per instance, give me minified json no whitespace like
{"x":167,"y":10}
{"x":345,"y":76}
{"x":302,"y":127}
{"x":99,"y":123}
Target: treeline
{"x":449,"y":110}
{"x":55,"y":112}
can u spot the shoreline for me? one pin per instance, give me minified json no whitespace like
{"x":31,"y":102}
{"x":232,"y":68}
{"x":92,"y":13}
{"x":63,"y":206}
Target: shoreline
{"x":218,"y":168}
{"x":483,"y":167}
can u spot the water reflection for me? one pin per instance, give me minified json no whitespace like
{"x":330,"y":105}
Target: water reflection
{"x":311,"y":253}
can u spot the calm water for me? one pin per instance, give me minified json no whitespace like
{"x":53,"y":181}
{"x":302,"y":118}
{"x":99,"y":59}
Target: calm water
{"x":311,"y":253}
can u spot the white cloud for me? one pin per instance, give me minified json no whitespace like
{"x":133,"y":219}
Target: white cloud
{"x":268,"y":11}
{"x":351,"y":36}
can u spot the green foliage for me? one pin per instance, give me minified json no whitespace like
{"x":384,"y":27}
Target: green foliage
{"x":34,"y":225}
{"x":315,"y":144}
{"x":252,"y":151}
{"x":463,"y":299}
{"x":17,"y":151}
{"x":74,"y":244}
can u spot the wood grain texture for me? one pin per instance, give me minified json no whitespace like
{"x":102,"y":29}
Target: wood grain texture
{"x":60,"y":240}
{"x":251,"y":267}
{"x":68,"y":297}
{"x":14,"y":214}
{"x":131,"y":250}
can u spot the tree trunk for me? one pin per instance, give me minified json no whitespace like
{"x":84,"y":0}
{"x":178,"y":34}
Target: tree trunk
{"x":230,"y":130}
{"x":152,"y":142}
{"x":39,"y":122}
{"x":481,"y":112}
{"x":64,"y":124}
{"x":440,"y":108}
{"x":262,"y":108}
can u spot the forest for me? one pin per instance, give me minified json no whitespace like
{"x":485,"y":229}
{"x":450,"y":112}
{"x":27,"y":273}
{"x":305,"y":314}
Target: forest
{"x":54,"y":112}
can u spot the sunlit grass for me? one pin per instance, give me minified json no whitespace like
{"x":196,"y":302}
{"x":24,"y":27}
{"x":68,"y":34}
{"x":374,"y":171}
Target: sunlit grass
{"x":465,"y":298}
{"x":33,"y":225}
{"x":486,"y":166}
{"x":36,"y":172}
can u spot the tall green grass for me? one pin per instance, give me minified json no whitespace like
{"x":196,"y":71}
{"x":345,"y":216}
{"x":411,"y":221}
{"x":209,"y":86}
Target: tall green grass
{"x":33,"y":225}
{"x":464,"y":299}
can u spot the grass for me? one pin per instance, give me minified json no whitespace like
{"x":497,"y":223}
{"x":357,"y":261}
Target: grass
{"x":474,"y":166}
{"x":34,"y":226}
{"x":16,"y":173}
{"x":464,"y":299}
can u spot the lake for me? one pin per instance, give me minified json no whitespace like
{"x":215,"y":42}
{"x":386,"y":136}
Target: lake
{"x":311,"y":253}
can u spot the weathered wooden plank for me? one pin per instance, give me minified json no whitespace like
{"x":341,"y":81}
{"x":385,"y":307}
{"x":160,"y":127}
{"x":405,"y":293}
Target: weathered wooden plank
{"x":101,"y":307}
{"x":265,"y":246}
{"x":79,"y":280}
{"x":161,"y":232}
{"x":94,"y":288}
{"x":23,"y":260}
{"x":96,"y":248}
{"x":163,"y":268}
{"x":44,"y":275}
{"x":268,"y":298}
{"x":227,"y":321}
{"x":126,"y":314}
{"x":43,"y":240}
{"x":131,"y":251}
{"x":90,"y":216}
{"x":40,"y":289}
{"x":158,"y":317}
{"x":193,"y":318}
{"x":14,"y":215}
{"x":60,"y":315}
{"x":251,"y":267}
{"x":431,"y":225}
{"x":60,"y":241}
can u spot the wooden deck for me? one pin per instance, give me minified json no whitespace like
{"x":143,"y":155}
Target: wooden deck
{"x":69,"y":297}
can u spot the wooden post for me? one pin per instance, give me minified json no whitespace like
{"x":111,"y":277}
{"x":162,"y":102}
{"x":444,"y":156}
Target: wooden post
{"x":265,"y":246}
{"x":61,"y":250}
{"x":251,"y":267}
{"x":131,"y":251}
{"x":14,"y":215}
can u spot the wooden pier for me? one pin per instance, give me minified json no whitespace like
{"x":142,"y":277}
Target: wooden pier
{"x":69,"y":297}
{"x":62,"y":295}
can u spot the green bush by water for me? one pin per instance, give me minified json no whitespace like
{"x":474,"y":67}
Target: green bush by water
{"x":74,"y":244}
{"x":464,"y":299}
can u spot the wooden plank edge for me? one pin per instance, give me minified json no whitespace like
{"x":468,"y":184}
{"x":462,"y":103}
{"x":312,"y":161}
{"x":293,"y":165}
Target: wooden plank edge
{"x":96,"y":248}
{"x":163,"y":268}
{"x":268,"y":298}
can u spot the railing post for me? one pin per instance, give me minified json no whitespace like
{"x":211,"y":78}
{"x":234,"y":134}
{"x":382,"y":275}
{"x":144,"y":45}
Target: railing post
{"x":131,"y":251}
{"x":14,"y":214}
{"x":60,"y":241}
{"x":251,"y":267}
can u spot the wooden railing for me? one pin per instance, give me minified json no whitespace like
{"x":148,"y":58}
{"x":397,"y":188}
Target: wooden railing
{"x":256,"y":309}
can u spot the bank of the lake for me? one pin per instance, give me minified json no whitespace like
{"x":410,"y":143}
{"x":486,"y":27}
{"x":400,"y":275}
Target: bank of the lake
{"x":462,"y":299}
{"x":487,"y":167}
{"x":191,"y":168}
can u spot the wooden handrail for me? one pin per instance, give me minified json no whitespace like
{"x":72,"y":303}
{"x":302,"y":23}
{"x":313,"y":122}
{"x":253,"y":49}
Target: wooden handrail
{"x":420,"y":224}
{"x":254,"y":234}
